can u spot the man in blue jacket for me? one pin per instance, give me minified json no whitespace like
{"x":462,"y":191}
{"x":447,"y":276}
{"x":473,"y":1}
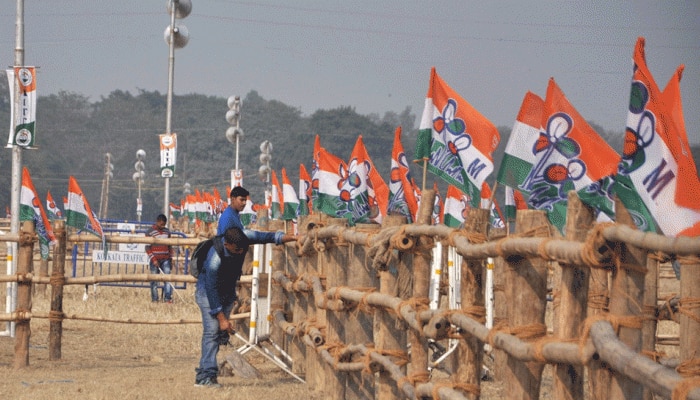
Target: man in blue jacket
{"x":216,"y":293}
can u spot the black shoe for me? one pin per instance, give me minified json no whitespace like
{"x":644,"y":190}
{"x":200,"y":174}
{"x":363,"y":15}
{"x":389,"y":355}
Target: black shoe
{"x":207,"y":382}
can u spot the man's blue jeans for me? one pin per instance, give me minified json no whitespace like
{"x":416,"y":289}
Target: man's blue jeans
{"x":208,"y":367}
{"x":167,"y":286}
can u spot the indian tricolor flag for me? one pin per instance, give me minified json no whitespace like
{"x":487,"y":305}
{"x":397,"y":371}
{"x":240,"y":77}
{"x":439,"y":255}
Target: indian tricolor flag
{"x":326,"y":181}
{"x":52,"y":209}
{"x":519,"y":156}
{"x":78,"y":212}
{"x":402,"y":188}
{"x":657,"y":168}
{"x":30,"y":209}
{"x":488,"y":202}
{"x":291,"y":201}
{"x":304,"y":191}
{"x":456,"y":206}
{"x":277,"y":198}
{"x":456,"y":140}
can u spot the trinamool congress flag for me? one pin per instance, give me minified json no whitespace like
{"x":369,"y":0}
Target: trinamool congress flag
{"x":30,"y":209}
{"x":289,"y":196}
{"x":249,"y":214}
{"x":304,"y":191}
{"x":514,"y":201}
{"x":438,"y":206}
{"x":52,"y":209}
{"x":360,"y":200}
{"x":520,"y":156}
{"x":78,"y":212}
{"x":657,"y":168}
{"x":457,"y":204}
{"x":277,"y":202}
{"x":570,"y":155}
{"x":326,"y":176}
{"x":456,"y":140}
{"x":489,"y":203}
{"x":403,"y":192}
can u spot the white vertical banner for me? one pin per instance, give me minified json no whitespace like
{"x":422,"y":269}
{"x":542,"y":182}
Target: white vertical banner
{"x":23,"y":120}
{"x":236,"y":178}
{"x":168,"y":154}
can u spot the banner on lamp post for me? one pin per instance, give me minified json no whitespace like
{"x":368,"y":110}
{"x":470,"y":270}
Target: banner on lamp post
{"x":22,"y":109}
{"x":168,"y":154}
{"x":236,"y":178}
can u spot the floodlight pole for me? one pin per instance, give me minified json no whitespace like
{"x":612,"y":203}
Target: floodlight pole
{"x":169,"y":101}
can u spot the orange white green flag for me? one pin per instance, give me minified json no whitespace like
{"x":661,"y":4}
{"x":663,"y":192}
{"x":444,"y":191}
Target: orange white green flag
{"x":326,"y":181}
{"x":456,"y":140}
{"x":277,"y":203}
{"x":514,"y":201}
{"x":520,"y":156}
{"x":248,"y":215}
{"x":403,"y":192}
{"x":30,"y":209}
{"x":359,"y":188}
{"x":489,"y":203}
{"x":570,"y":155}
{"x":304,"y":191}
{"x":657,"y":169}
{"x":52,"y":209}
{"x":438,"y":206}
{"x":289,"y":196}
{"x":78,"y":212}
{"x":457,"y":204}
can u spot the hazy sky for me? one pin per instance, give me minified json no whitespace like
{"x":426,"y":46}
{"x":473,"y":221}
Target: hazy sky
{"x":372,"y":55}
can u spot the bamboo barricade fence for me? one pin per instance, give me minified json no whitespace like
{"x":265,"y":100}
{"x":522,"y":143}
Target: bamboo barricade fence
{"x":602,"y":329}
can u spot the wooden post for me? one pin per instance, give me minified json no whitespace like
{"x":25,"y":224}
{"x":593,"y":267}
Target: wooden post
{"x":598,"y":301}
{"x":573,"y":300}
{"x":421,"y":284}
{"x":470,"y":350}
{"x":500,"y":313}
{"x":526,"y":292}
{"x":276,"y":295}
{"x":649,"y":325}
{"x":690,"y":313}
{"x":299,"y":304}
{"x":57,"y":279}
{"x":315,"y":373}
{"x":390,"y":336}
{"x":359,"y":327}
{"x":336,"y":259}
{"x":24,"y":293}
{"x":43,"y":273}
{"x":626,"y":298}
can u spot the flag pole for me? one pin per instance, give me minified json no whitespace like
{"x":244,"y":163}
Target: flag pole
{"x":493,"y":194}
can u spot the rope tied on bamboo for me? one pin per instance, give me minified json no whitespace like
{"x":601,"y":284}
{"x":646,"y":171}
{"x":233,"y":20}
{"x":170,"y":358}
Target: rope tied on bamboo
{"x":335,"y":349}
{"x":22,"y":315}
{"x":595,"y":245}
{"x":654,"y":355}
{"x":617,"y":321}
{"x":466,"y":387}
{"x":401,"y":241}
{"x":416,"y":303}
{"x":416,"y":377}
{"x":56,"y":316}
{"x":57,"y":280}
{"x":690,"y":371}
{"x":686,"y":306}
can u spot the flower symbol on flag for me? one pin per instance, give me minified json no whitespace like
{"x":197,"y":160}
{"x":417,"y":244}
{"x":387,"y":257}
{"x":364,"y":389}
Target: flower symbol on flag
{"x":452,"y":129}
{"x":637,"y":139}
{"x":559,"y":126}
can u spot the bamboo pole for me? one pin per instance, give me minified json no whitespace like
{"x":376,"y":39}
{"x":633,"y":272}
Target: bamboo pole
{"x":359,"y":325}
{"x":24,"y":294}
{"x":572,"y":300}
{"x":57,"y":279}
{"x":421,"y":284}
{"x":626,"y":299}
{"x":390,"y":336}
{"x":276,"y":296}
{"x":470,"y":350}
{"x":298,"y":303}
{"x":527,"y":294}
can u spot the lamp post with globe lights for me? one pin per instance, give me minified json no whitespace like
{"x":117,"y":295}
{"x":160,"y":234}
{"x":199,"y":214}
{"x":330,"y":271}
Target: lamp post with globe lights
{"x":138,"y":178}
{"x":234,"y":134}
{"x":176,"y":36}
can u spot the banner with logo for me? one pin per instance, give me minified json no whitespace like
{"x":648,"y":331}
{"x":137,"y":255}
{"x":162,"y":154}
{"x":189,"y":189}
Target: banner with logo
{"x":168,"y":154}
{"x":23,"y":110}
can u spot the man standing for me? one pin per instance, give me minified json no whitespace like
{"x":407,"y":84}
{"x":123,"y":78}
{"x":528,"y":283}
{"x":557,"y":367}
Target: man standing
{"x":216,"y":293}
{"x":231,"y":217}
{"x":160,"y":258}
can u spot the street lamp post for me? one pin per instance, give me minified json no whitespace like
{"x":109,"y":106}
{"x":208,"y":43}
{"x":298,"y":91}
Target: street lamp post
{"x":138,"y":178}
{"x":104,"y":195}
{"x":176,"y":36}
{"x":233,"y":134}
{"x":265,"y":170}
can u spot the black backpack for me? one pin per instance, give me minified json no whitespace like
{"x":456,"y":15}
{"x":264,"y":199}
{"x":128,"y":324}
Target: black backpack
{"x":199,"y":254}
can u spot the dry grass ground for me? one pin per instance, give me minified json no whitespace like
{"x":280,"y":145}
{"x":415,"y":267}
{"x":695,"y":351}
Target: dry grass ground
{"x":128,"y":361}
